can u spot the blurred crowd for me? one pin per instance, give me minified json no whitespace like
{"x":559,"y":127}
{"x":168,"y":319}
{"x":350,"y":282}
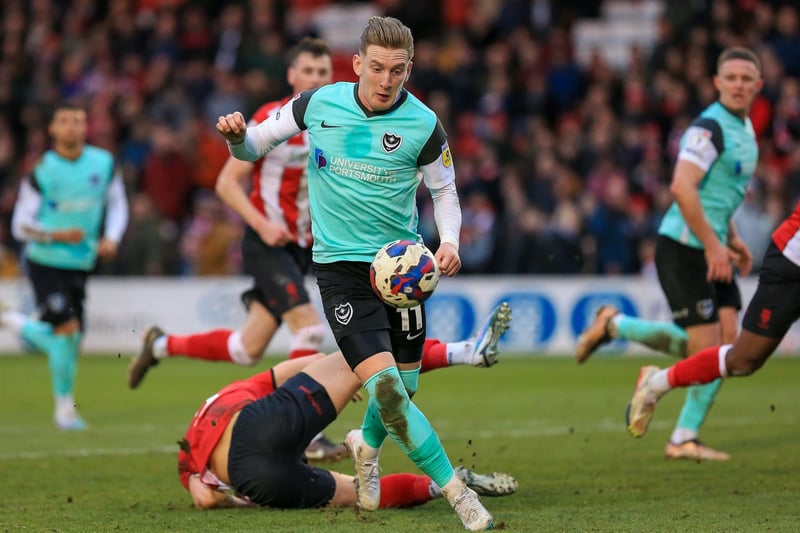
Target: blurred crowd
{"x":563,"y":167}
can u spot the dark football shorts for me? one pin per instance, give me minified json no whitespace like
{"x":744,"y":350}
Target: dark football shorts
{"x":60,"y":293}
{"x":363,"y":325}
{"x":776,"y":304}
{"x":266,"y":460}
{"x":279,"y":274}
{"x":682,"y":273}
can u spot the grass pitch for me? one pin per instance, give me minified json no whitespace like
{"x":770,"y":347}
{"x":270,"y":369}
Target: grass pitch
{"x":558,"y":428}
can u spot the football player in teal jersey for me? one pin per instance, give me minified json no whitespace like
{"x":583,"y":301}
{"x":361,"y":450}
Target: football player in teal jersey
{"x":699,"y":246}
{"x":369,"y":143}
{"x":71,"y":210}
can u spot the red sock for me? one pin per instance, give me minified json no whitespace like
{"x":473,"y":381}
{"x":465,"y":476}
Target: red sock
{"x":404,"y":490}
{"x":212,"y":346}
{"x":434,"y":355}
{"x":301,"y":352}
{"x":702,"y":367}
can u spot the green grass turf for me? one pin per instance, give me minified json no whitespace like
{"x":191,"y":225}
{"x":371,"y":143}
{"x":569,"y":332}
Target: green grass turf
{"x":555,"y":426}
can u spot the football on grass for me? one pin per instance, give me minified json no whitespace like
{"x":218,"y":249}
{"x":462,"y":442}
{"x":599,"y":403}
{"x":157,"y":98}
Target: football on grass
{"x":404,"y":273}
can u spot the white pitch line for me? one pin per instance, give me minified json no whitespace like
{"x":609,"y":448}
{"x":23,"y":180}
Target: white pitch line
{"x":606,"y":425}
{"x":88,"y":452}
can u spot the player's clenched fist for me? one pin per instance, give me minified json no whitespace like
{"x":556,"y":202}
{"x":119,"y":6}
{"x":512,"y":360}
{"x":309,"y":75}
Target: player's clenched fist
{"x":232,"y":127}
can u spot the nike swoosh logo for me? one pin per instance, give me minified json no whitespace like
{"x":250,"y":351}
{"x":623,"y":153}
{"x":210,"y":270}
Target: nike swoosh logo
{"x":412,"y":336}
{"x":328,"y":125}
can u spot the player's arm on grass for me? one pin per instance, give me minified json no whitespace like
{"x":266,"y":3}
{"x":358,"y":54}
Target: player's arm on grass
{"x":209,"y":497}
{"x":24,"y":224}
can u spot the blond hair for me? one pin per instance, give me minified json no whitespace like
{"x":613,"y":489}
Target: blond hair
{"x":387,"y":32}
{"x":739,"y":52}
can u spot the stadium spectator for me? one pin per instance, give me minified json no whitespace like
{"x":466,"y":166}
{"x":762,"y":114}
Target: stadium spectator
{"x":377,"y":344}
{"x":103,"y":54}
{"x":208,"y":244}
{"x":71,"y":210}
{"x":698,"y":245}
{"x":234,"y":454}
{"x":767,"y":318}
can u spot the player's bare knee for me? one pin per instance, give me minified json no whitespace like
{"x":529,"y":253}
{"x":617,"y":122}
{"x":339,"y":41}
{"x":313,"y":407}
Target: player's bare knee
{"x":309,"y":337}
{"x":738,"y":365}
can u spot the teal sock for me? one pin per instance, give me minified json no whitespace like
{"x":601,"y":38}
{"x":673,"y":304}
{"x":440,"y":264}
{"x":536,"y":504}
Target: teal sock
{"x":38,"y":334}
{"x":664,"y":337}
{"x":410,"y":379}
{"x":372,"y":429}
{"x":62,"y":357}
{"x":407,"y":426}
{"x":699,"y":400}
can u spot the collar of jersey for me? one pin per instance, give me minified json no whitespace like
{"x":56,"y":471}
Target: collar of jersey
{"x":400,"y":99}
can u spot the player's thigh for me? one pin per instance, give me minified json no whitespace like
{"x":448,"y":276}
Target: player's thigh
{"x":729,"y":303}
{"x":682,"y":275}
{"x":265,"y":461}
{"x":357,"y":317}
{"x":278,"y":273}
{"x":775,"y":306}
{"x":301,"y":316}
{"x":259,"y":328}
{"x":408,"y":330}
{"x":728,"y":325}
{"x":285,"y":482}
{"x":55,"y":291}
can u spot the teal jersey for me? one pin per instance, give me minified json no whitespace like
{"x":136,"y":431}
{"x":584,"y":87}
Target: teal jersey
{"x":364,"y":169}
{"x":73,"y":195}
{"x":724,"y":145}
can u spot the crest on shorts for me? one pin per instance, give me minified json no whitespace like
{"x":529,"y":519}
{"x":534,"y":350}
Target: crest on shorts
{"x":705,"y":308}
{"x":343,"y":313}
{"x":764,"y":317}
{"x":57,"y":302}
{"x":391,"y":142}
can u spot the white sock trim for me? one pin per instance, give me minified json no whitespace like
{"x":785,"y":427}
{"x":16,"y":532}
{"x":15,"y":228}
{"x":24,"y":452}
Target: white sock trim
{"x":160,"y":347}
{"x":723,"y":364}
{"x":659,"y":382}
{"x":459,"y":353}
{"x":237,"y":351}
{"x":613,"y":325}
{"x":13,"y":319}
{"x":681,"y":435}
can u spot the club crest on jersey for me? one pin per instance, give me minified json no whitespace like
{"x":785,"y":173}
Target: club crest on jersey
{"x":391,"y":142}
{"x":94,"y":180}
{"x":343,"y":313}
